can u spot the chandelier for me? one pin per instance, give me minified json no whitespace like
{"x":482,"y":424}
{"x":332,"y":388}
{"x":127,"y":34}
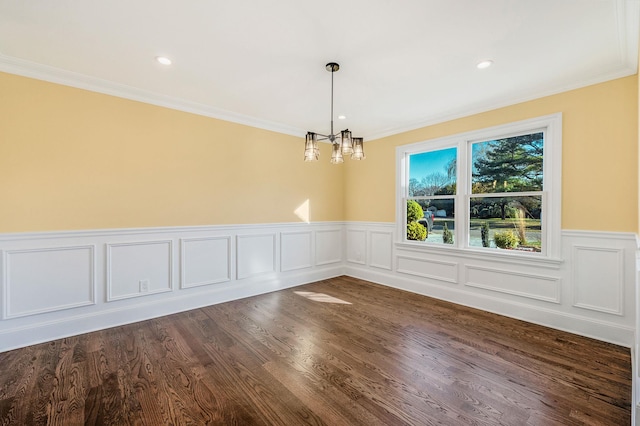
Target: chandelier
{"x":342,"y":144}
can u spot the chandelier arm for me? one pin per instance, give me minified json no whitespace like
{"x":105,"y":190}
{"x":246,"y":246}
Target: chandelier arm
{"x":331,"y":138}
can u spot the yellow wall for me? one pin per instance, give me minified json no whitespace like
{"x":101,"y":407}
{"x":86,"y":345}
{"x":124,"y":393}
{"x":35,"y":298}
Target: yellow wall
{"x":74,"y":159}
{"x":599,"y":157}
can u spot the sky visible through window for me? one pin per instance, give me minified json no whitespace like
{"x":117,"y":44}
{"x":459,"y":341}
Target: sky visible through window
{"x":430,"y":162}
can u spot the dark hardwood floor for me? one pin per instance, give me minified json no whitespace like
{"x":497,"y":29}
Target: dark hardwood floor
{"x":301,"y":356}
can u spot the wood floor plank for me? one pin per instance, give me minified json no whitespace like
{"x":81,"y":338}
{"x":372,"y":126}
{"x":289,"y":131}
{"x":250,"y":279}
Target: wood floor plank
{"x":68,"y":395}
{"x":336,"y":352}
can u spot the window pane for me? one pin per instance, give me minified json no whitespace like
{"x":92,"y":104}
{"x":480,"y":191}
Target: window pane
{"x":438,"y":220}
{"x":508,"y":165}
{"x":443,"y":221}
{"x":432,"y":173}
{"x":515,"y":220}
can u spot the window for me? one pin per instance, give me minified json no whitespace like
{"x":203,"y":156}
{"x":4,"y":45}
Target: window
{"x":493,"y":191}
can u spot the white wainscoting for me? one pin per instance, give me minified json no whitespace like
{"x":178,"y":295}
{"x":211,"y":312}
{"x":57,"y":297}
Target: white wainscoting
{"x":57,"y":284}
{"x":63,"y":283}
{"x":590,"y":292}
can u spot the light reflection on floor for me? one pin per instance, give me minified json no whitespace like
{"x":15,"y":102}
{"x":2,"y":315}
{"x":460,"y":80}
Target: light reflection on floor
{"x":321,"y":297}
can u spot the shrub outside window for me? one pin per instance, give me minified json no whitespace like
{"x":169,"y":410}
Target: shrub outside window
{"x":494,"y":190}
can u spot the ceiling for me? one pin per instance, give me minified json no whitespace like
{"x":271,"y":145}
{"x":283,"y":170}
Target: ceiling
{"x":403,"y":64}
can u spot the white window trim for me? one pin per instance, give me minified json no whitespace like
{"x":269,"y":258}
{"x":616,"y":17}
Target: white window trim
{"x":552,"y":171}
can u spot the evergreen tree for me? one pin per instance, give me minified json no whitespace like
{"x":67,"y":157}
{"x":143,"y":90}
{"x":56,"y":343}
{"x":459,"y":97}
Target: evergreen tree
{"x":510,"y":164}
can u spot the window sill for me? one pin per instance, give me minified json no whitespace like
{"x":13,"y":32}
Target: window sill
{"x":502,"y":256}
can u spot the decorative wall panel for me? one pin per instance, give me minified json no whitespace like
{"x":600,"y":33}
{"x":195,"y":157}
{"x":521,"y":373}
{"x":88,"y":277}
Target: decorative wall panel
{"x":295,"y":251}
{"x":137,"y":269}
{"x":598,"y":279}
{"x":429,"y":268}
{"x":328,"y":246}
{"x":356,"y":246}
{"x":381,"y":244}
{"x":532,"y":286}
{"x":48,"y":279}
{"x":205,"y":261}
{"x":256,"y":254}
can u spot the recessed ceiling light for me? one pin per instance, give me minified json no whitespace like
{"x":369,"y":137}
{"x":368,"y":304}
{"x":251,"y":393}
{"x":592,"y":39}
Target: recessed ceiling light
{"x":342,"y":117}
{"x":163,"y":60}
{"x":484,"y":64}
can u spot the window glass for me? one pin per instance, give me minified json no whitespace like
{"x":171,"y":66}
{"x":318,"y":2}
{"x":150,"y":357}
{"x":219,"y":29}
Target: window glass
{"x":432,"y":173}
{"x":511,"y":164}
{"x":516,"y":221}
{"x":443,"y":213}
{"x":432,"y":178}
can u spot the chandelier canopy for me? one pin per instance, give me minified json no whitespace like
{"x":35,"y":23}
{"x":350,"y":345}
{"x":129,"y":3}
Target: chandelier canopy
{"x":342,"y":144}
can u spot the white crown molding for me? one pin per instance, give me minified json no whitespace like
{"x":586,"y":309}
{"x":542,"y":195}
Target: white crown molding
{"x":628,"y":16}
{"x":13,"y":65}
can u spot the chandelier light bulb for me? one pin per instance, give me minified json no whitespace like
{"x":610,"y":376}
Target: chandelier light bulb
{"x":336,"y":154}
